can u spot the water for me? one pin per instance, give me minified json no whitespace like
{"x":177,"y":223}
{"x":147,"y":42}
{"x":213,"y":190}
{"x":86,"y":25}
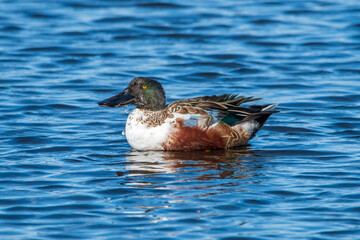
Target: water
{"x":67,"y":171}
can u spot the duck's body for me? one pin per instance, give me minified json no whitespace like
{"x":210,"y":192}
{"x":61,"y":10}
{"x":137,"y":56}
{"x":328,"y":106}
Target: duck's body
{"x":209,"y":122}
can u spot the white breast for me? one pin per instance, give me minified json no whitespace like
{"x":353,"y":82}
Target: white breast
{"x":142,"y":137}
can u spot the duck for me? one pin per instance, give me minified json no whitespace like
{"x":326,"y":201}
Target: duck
{"x":200,"y":123}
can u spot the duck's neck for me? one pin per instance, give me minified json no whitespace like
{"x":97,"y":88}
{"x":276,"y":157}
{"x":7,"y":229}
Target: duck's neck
{"x":149,"y":117}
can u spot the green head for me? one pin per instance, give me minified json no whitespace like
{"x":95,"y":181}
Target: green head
{"x":144,"y":93}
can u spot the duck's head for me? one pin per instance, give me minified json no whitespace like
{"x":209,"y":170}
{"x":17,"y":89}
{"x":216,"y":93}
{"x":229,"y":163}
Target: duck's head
{"x":142,"y":92}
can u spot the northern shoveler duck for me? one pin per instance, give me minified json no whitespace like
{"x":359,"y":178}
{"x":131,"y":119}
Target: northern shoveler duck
{"x":201,"y":123}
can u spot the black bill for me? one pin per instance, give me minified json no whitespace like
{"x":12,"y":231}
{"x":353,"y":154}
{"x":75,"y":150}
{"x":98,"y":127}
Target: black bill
{"x":122,"y":99}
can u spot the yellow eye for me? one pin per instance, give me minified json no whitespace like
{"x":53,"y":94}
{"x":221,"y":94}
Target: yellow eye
{"x":144,"y":87}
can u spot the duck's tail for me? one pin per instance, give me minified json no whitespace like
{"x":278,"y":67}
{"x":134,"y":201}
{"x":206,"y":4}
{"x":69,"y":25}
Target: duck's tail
{"x":254,"y":118}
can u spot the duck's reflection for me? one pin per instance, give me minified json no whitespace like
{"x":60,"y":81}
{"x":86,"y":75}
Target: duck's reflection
{"x":201,"y":165}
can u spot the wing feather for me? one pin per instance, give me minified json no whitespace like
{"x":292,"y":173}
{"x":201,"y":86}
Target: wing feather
{"x":225,"y":107}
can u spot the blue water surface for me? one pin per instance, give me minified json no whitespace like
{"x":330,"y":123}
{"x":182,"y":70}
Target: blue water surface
{"x":67,"y":171}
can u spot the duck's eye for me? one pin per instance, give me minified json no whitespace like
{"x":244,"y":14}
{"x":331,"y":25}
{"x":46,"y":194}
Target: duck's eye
{"x":144,"y":86}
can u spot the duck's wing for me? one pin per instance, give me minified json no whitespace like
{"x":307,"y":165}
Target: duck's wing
{"x":225,"y":108}
{"x":215,"y":100}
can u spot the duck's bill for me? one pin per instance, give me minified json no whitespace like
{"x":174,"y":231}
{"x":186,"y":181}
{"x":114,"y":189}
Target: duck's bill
{"x":120,"y":100}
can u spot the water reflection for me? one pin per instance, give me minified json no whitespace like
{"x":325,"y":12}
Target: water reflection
{"x":201,"y":165}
